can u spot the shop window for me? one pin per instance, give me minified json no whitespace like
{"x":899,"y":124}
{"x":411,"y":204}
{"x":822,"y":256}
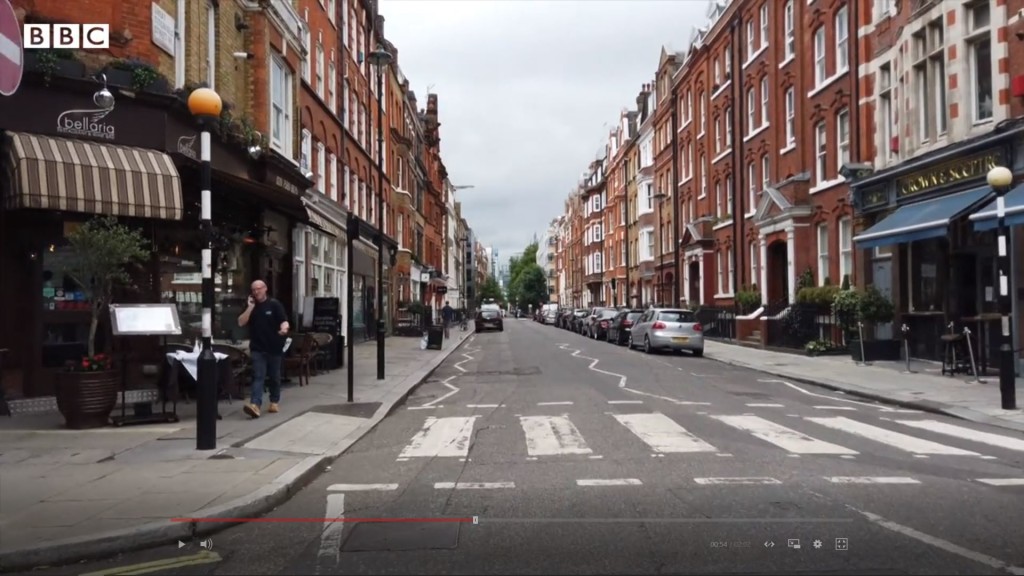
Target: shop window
{"x":66,"y":317}
{"x":181,"y":284}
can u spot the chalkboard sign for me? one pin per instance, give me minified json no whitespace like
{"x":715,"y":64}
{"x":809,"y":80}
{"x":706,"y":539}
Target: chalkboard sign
{"x":327,"y":320}
{"x":435,"y":338}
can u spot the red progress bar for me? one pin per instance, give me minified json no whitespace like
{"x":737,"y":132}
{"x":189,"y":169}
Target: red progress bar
{"x":321,"y":520}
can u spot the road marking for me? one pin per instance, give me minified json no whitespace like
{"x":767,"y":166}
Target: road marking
{"x":894,"y":439}
{"x":662,"y":433}
{"x":785,"y":438}
{"x":458,"y":365}
{"x":1002,"y":481}
{"x":473,"y":485}
{"x":424,"y":407}
{"x":609,"y":482}
{"x":622,"y":380}
{"x":851,"y":408}
{"x":552,"y":435}
{"x":362,"y":487}
{"x":826,"y":397}
{"x":554,"y":403}
{"x":442,"y":437}
{"x":203,"y":557}
{"x":941,"y":544}
{"x":446,"y":382}
{"x":966,"y":433}
{"x":330,"y":536}
{"x":596,"y":457}
{"x":724,"y":455}
{"x":734,"y":481}
{"x":761,"y":405}
{"x":871,"y":480}
{"x":625,"y":401}
{"x":484,"y":405}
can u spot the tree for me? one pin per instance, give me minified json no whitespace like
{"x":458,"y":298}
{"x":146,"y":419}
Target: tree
{"x":517,"y":266}
{"x":533,"y":289}
{"x":490,"y":290}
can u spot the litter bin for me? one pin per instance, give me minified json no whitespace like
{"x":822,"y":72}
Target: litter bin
{"x":435,"y":337}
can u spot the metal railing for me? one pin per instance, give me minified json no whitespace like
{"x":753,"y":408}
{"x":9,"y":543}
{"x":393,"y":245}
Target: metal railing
{"x":718,"y":322}
{"x":794,"y":326}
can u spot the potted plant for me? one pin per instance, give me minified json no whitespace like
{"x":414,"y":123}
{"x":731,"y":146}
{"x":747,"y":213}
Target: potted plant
{"x":872,"y":308}
{"x":54,"y":62}
{"x":102,"y":251}
{"x":137,"y":75}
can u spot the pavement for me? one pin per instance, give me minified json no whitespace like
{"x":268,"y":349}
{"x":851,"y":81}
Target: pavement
{"x":67,"y":495}
{"x":924,"y":388}
{"x":538,"y":451}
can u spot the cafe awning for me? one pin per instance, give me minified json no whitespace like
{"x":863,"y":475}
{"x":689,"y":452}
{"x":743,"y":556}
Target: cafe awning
{"x":985,"y":219}
{"x":921,"y":220}
{"x":323,"y":224}
{"x":80,"y":176}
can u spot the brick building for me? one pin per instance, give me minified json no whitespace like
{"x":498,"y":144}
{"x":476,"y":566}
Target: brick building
{"x":615,"y":221}
{"x":664,"y":99}
{"x":593,"y":197}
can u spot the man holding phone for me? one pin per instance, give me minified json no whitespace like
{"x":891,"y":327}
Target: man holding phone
{"x":268,"y":327}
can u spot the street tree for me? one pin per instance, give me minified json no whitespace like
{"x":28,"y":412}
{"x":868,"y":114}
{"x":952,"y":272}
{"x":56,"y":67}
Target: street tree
{"x":491,"y":290}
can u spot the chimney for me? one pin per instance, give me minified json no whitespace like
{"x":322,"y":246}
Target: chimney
{"x":379,"y":24}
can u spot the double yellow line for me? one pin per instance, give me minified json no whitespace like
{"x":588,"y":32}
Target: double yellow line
{"x":204,"y":557}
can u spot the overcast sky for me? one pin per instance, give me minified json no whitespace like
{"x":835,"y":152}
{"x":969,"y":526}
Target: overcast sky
{"x":527,"y":91}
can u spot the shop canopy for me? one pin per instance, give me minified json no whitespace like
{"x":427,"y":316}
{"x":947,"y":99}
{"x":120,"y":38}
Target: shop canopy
{"x":921,"y":220}
{"x":985,"y":219}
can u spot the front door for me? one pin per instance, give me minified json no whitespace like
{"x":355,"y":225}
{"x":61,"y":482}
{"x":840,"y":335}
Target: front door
{"x":881,"y":276}
{"x":695,"y":281}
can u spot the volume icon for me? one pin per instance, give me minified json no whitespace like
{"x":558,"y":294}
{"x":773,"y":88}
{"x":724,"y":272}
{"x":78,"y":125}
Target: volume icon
{"x":207,"y":544}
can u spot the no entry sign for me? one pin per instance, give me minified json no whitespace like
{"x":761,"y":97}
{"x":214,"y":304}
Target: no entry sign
{"x":12,"y":61}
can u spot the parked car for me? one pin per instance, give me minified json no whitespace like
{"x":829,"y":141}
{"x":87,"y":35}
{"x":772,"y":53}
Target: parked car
{"x":576,"y":322}
{"x":597,"y":327}
{"x":489,"y":316}
{"x":668,"y":329}
{"x":621,"y":325}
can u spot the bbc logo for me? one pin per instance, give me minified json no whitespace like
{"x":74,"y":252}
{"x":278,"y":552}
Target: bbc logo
{"x":71,"y":36}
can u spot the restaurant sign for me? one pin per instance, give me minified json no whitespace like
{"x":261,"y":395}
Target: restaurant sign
{"x":86,"y":123}
{"x":958,"y":170}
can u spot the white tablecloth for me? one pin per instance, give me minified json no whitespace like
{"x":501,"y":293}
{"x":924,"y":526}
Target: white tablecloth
{"x":190,"y":360}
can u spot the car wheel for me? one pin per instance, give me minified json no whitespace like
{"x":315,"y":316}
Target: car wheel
{"x":698,"y":353}
{"x":647,"y":346}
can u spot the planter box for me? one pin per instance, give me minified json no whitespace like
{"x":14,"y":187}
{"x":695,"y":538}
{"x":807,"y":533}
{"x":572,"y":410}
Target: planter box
{"x":877,"y":350}
{"x":86,"y":399}
{"x":118,"y":77}
{"x":61,"y":67}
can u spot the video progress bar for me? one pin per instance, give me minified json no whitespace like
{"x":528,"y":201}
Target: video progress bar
{"x":491,"y":520}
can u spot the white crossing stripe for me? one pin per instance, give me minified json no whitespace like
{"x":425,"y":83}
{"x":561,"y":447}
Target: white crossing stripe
{"x":362,"y":487}
{"x":966,"y":433}
{"x":662,"y":433}
{"x":442,"y":437}
{"x":1002,"y":481}
{"x":473,"y":485}
{"x":785,"y":438}
{"x":762,"y":405}
{"x":610,"y":482}
{"x":894,"y":439}
{"x":871,"y":480}
{"x":483,"y":405}
{"x":625,"y":401}
{"x":554,"y":403}
{"x":734,"y":481}
{"x":552,"y":435}
{"x":850,"y":408}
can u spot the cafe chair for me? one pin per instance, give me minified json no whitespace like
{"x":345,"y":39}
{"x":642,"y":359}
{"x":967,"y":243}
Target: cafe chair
{"x":300,"y":360}
{"x":955,"y":358}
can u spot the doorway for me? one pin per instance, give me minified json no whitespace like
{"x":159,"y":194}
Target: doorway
{"x":881,"y":277}
{"x":778,"y":272}
{"x":695,"y":283}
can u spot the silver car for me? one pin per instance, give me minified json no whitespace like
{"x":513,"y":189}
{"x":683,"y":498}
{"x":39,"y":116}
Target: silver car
{"x":668,"y":329}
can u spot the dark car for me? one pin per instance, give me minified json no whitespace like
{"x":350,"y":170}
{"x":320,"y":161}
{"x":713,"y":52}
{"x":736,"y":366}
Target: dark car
{"x":621,"y":324}
{"x":489,"y":317}
{"x":597,"y":326}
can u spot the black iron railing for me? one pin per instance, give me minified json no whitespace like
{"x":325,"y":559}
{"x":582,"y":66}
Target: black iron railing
{"x":718,"y":322}
{"x":795,"y":326}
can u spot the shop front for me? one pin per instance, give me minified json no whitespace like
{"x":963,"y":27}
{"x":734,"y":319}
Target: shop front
{"x":918,"y":246}
{"x":363,"y":271}
{"x":319,"y":260}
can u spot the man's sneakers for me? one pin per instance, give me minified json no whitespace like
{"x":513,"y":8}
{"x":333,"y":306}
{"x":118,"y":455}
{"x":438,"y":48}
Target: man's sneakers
{"x":273,"y":408}
{"x":252,"y":410}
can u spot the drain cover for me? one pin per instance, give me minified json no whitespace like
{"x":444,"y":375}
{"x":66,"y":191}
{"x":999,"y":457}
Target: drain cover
{"x":402,"y":537}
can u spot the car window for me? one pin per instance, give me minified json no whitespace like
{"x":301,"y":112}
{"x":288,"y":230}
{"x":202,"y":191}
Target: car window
{"x":633,"y":316}
{"x":608,"y":313}
{"x":677,"y":316}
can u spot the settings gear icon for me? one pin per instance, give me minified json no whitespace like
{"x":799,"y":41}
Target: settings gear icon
{"x":817,"y":544}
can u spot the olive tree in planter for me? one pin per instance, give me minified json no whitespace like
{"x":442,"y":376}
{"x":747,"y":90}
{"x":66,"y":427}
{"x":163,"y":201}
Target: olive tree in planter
{"x":869,"y":308}
{"x":102,"y":250}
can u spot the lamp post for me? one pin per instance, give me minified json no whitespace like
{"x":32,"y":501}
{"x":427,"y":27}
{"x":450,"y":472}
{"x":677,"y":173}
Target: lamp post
{"x":1000,"y":179}
{"x":380,"y":59}
{"x":206,"y":106}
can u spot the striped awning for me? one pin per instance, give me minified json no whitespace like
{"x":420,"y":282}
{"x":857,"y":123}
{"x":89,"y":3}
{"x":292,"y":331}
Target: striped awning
{"x":79,"y":176}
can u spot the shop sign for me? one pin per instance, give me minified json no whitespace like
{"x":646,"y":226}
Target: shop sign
{"x":187,"y":147}
{"x":86,"y":123}
{"x":959,"y":170}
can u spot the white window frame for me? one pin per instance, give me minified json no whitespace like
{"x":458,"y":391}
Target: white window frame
{"x":331,"y":11}
{"x":332,"y":79}
{"x":306,"y":150}
{"x":845,"y":249}
{"x":728,"y":195}
{"x":820,"y":71}
{"x":320,"y":67}
{"x":703,"y":177}
{"x":731,"y":279}
{"x":764,"y":101}
{"x":750,"y":40}
{"x":211,"y":45}
{"x":790,"y":116}
{"x":332,"y":175}
{"x":703,"y":114}
{"x":790,"y":30}
{"x":346,"y":184}
{"x":754,"y":268}
{"x":978,"y":36}
{"x":307,"y":41}
{"x":821,"y":234}
{"x":842,"y":138}
{"x":281,"y":80}
{"x":751,"y":110}
{"x":842,"y":25}
{"x":751,"y":187}
{"x":321,"y":167}
{"x":885,"y":120}
{"x":721,"y":271}
{"x":718,"y":199}
{"x":728,"y":127}
{"x":763,"y":17}
{"x":718,"y":135}
{"x":766,"y":172}
{"x":820,"y":152}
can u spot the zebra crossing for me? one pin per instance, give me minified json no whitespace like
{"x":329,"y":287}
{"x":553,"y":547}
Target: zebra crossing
{"x":553,"y":436}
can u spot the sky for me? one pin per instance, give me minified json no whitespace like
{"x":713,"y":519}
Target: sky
{"x":527,"y":92}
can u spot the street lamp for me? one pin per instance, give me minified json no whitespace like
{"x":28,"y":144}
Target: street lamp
{"x":380,"y":59}
{"x":1000,"y":179}
{"x":206,"y":106}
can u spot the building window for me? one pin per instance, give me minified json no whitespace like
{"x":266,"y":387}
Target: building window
{"x":720,"y":268}
{"x":211,"y":45}
{"x":732,"y":271}
{"x":790,"y":30}
{"x":845,"y":250}
{"x":751,"y":187}
{"x":750,"y":39}
{"x":703,"y":114}
{"x":649,"y":197}
{"x":598,"y":263}
{"x":842,"y":40}
{"x":751,"y":110}
{"x":703,"y":177}
{"x":321,"y":168}
{"x":718,"y":135}
{"x":819,"y":56}
{"x":930,"y":80}
{"x":718,"y":199}
{"x":728,"y":127}
{"x":886,"y":119}
{"x":718,"y":71}
{"x":764,"y":101}
{"x":821,"y":153}
{"x":689,"y":106}
{"x":842,"y":138}
{"x":728,"y":63}
{"x":755,"y":272}
{"x":306,"y":150}
{"x":347,"y":190}
{"x":822,"y":254}
{"x":790,"y":116}
{"x":728,"y":195}
{"x":280,"y":106}
{"x":307,"y":60}
{"x":346,"y":105}
{"x":765,"y":172}
{"x":331,"y":80}
{"x":320,"y":70}
{"x":764,"y":24}
{"x":331,"y":9}
{"x":332,"y":174}
{"x":883,"y":9}
{"x":979,"y":46}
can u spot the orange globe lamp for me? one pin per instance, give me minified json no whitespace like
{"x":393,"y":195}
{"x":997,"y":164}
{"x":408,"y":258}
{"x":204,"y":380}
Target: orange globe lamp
{"x":205,"y":103}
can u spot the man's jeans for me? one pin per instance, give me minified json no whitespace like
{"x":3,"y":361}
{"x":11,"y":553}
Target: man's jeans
{"x":265,"y":366}
{"x":447,"y":323}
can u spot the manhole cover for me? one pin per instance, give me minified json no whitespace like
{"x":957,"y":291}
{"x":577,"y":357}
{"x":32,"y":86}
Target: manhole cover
{"x":400,"y":537}
{"x":355,"y":410}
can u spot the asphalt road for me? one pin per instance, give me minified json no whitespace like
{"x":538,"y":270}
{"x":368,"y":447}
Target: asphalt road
{"x":537,"y":451}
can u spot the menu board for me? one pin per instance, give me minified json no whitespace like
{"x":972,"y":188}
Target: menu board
{"x":145,"y":320}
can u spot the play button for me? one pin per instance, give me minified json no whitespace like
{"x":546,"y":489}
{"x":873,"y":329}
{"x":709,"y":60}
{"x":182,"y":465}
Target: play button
{"x":11,"y":53}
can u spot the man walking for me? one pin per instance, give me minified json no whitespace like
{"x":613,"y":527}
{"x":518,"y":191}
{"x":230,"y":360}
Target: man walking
{"x":447,"y":316}
{"x":268,"y":327}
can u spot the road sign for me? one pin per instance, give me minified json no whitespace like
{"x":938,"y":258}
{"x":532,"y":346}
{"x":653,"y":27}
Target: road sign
{"x":12,"y":57}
